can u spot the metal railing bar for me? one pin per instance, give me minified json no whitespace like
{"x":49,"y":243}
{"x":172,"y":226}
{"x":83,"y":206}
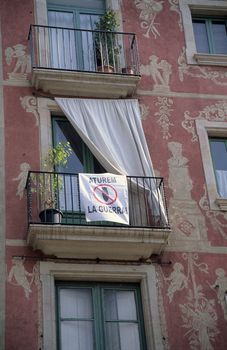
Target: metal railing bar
{"x":81,"y":30}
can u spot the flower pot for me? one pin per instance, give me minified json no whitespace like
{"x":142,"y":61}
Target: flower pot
{"x":128,"y":70}
{"x":51,"y":216}
{"x":105,"y":69}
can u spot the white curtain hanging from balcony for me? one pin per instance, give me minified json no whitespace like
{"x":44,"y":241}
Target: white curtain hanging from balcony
{"x":112,"y":130}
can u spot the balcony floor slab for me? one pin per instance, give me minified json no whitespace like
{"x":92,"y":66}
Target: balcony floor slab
{"x":84,"y":84}
{"x":91,"y":242}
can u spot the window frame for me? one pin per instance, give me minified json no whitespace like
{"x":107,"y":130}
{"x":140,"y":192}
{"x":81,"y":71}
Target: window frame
{"x":98,"y":307}
{"x":208,"y":25}
{"x":144,"y":275}
{"x":88,"y":157}
{"x":205,"y":130}
{"x":217,"y":139}
{"x":201,"y":8}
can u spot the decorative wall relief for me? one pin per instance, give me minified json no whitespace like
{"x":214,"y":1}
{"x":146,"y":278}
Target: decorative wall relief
{"x":22,"y":178}
{"x":218,"y":219}
{"x":29,"y":103}
{"x":144,"y":111}
{"x":164,"y":115}
{"x":175,"y":7}
{"x":18,"y":57}
{"x":19,"y":276}
{"x":149,"y":11}
{"x":215,"y":112}
{"x":186,"y":218}
{"x":198,"y":312}
{"x":160,"y":73}
{"x":220,"y":285}
{"x":217,"y":77}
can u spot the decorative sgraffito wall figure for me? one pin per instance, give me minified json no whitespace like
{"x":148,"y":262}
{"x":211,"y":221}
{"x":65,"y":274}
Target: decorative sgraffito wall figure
{"x":186,"y":218}
{"x":22,"y":60}
{"x":160,"y":71}
{"x":199,"y":318}
{"x":22,"y":178}
{"x":220,"y":286}
{"x":149,"y":11}
{"x":19,"y":276}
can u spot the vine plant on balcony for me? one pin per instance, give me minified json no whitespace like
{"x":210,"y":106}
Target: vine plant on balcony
{"x":48,"y":185}
{"x":106,"y":42}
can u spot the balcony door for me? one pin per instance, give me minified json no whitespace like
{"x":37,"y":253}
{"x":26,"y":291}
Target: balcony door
{"x":80,"y":161}
{"x":71,"y":47}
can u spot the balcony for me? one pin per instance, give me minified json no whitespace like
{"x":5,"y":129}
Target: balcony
{"x":57,"y":224}
{"x":83,"y":63}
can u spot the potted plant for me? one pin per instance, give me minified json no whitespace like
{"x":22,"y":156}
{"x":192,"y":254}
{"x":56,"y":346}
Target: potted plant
{"x":106,"y":42}
{"x":48,"y":184}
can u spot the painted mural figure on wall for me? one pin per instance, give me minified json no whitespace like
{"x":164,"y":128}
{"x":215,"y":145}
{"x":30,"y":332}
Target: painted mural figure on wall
{"x":149,"y":10}
{"x":160,"y":71}
{"x":221,"y":286}
{"x":18,"y":276}
{"x":178,"y":280}
{"x":179,"y":179}
{"x":22,"y":60}
{"x":198,"y":312}
{"x":186,"y":218}
{"x":22,"y":178}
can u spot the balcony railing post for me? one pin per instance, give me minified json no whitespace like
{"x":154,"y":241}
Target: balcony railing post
{"x":29,"y":198}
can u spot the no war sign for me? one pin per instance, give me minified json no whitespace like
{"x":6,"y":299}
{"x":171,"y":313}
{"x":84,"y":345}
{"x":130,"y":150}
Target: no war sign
{"x":104,"y":197}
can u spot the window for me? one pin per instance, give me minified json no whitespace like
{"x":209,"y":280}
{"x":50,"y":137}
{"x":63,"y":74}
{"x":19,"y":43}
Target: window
{"x":78,"y":46}
{"x":204,"y":24}
{"x":210,"y":35}
{"x":218,"y":149}
{"x":99,"y":316}
{"x":81,"y":159}
{"x":142,"y":275}
{"x":213,"y":145}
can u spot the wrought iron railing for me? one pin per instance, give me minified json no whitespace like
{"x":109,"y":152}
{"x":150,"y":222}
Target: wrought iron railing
{"x":83,"y":50}
{"x":54,"y":198}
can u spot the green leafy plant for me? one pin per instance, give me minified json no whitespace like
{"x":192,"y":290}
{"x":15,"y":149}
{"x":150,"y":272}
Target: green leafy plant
{"x":106,"y":42}
{"x":58,"y":155}
{"x":48,"y":184}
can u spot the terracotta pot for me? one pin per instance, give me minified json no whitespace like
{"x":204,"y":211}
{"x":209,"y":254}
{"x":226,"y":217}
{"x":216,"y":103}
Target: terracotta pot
{"x":128,"y":70}
{"x":106,"y":69}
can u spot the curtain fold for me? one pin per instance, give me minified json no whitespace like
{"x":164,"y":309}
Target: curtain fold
{"x":222,"y":182}
{"x":112,"y":130}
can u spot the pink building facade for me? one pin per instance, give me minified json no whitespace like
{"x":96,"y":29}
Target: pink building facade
{"x":176,"y":70}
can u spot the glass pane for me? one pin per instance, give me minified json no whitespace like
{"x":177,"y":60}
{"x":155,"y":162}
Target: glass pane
{"x":77,"y":335}
{"x":120,"y":305}
{"x":63,"y":132}
{"x":219,"y":37}
{"x":219,"y":156}
{"x":76,"y":303}
{"x":122,"y":336}
{"x":88,"y":21}
{"x":62,"y":41}
{"x":201,"y":38}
